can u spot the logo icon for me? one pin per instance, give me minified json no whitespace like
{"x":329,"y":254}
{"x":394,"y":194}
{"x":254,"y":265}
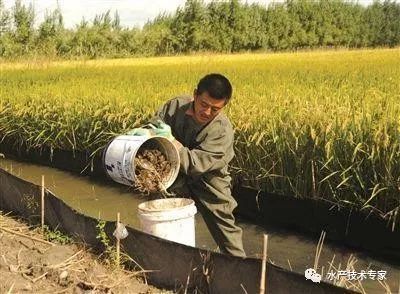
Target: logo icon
{"x":312,"y":275}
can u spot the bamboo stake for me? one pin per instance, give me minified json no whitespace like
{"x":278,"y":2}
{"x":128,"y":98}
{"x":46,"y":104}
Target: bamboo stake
{"x":188,"y":278}
{"x":26,"y":236}
{"x":319,"y":249}
{"x":399,"y":286}
{"x":264,"y":266}
{"x":40,"y":277}
{"x":118,"y":241}
{"x":42,"y":202}
{"x":11,"y":288}
{"x":313,"y":180}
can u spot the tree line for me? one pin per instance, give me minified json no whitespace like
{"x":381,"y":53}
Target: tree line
{"x":228,"y":26}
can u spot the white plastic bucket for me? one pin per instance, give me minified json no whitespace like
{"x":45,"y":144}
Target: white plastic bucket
{"x":171,"y":219}
{"x":119,"y":155}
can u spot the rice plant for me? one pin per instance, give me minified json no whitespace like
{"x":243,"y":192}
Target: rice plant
{"x":313,"y":124}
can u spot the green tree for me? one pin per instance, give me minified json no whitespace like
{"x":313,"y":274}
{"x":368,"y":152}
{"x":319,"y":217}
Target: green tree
{"x":159,"y":36}
{"x":116,"y":23}
{"x":303,"y":13}
{"x":218,"y":26}
{"x":50,"y":33}
{"x":195,"y":25}
{"x":4,"y":19}
{"x":278,"y":27}
{"x":7,"y":43}
{"x":220,"y":32}
{"x":23,"y":18}
{"x":390,"y":32}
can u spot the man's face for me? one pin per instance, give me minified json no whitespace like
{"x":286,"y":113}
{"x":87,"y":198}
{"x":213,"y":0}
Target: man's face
{"x":206,"y":108}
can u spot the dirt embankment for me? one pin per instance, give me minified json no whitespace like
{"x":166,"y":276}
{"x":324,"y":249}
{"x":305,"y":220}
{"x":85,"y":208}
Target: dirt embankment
{"x":30,"y":264}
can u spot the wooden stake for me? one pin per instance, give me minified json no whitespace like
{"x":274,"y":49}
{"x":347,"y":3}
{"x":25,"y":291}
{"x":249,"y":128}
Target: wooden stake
{"x":42,"y":204}
{"x":314,"y":186}
{"x":118,"y":241}
{"x":11,"y":288}
{"x":264,"y":266}
{"x":26,"y":236}
{"x":319,"y":249}
{"x":399,"y":286}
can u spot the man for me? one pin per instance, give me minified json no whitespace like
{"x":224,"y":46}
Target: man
{"x":204,"y":138}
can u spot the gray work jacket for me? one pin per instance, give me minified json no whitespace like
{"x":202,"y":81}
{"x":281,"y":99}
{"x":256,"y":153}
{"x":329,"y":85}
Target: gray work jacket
{"x":208,"y":149}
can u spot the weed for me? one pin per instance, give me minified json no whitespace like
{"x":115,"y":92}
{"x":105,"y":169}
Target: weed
{"x":109,"y":250}
{"x":56,"y":236}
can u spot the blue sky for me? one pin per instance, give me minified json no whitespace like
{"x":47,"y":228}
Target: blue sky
{"x":132,"y":12}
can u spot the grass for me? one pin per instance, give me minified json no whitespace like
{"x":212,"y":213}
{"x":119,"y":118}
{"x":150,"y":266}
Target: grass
{"x":56,"y":236}
{"x":322,"y":124}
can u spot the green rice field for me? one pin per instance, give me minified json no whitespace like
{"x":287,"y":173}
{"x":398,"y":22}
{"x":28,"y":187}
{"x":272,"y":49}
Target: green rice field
{"x":313,"y":124}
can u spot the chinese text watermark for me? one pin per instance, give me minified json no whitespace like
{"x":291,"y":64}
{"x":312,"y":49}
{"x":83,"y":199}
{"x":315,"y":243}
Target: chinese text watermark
{"x":360,"y":276}
{"x":349,"y":275}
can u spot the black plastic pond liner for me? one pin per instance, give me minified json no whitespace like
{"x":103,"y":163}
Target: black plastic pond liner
{"x":347,"y":227}
{"x":77,"y":162}
{"x":170,"y":262}
{"x":350,"y":227}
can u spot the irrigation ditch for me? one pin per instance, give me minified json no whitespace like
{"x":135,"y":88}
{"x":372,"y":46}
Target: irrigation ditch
{"x":342,"y":225}
{"x":171,"y":265}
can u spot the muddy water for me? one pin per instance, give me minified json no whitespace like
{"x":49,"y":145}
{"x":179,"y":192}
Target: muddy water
{"x":286,"y":249}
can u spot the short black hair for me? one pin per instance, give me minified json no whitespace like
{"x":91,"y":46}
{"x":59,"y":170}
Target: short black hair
{"x":216,"y":85}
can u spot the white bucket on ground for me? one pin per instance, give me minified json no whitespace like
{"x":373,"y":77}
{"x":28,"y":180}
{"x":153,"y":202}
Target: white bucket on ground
{"x":170,"y":218}
{"x":119,"y":155}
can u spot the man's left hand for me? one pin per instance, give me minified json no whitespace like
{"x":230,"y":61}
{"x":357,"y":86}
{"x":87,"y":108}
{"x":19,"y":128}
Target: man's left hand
{"x":162,"y":129}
